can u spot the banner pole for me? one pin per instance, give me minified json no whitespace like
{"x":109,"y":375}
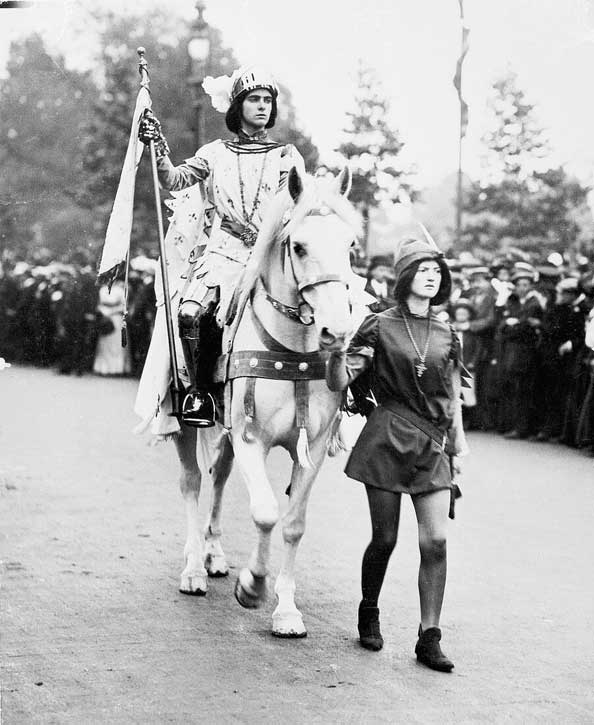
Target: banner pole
{"x":175,"y":382}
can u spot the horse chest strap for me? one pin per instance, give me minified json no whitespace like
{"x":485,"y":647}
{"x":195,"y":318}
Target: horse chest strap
{"x":274,"y":365}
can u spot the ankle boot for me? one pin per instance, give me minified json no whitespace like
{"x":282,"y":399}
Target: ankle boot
{"x":429,"y":652}
{"x":370,"y":636}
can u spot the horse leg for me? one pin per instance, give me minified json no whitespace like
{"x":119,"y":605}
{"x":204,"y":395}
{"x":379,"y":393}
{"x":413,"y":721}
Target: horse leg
{"x":250,"y":588}
{"x":286,"y":618}
{"x":214,"y":556}
{"x":193,"y":577}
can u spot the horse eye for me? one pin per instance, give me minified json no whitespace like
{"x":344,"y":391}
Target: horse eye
{"x":299,"y":249}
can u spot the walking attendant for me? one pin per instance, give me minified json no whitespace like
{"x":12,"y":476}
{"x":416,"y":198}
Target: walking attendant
{"x":408,"y":360}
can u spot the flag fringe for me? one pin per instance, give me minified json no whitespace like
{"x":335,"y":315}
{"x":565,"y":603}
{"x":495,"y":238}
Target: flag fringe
{"x":110,"y":276}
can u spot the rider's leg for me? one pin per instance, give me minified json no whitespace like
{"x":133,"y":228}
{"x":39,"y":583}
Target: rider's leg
{"x":195,"y":318}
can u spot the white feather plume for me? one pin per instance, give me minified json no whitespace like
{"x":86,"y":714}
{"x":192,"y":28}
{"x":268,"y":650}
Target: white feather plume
{"x":219,"y":90}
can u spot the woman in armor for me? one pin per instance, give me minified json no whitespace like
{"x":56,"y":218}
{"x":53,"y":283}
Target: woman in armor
{"x":238,"y":178}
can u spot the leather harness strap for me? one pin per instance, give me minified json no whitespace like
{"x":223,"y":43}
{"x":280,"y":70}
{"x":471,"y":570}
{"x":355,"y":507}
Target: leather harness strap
{"x":271,"y":365}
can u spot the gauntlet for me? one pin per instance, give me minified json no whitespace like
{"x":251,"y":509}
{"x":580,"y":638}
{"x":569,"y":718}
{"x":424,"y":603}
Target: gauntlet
{"x":149,"y":129}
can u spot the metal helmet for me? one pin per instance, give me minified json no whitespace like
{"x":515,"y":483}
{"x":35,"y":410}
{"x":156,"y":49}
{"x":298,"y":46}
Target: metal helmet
{"x":251,"y":78}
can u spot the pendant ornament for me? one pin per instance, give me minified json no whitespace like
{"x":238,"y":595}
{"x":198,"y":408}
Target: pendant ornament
{"x":420,"y":366}
{"x":249,"y":233}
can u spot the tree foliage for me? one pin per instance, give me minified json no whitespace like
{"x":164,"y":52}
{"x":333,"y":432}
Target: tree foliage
{"x":372,"y":146}
{"x":63,"y":134}
{"x":520,"y":202}
{"x":45,"y":108}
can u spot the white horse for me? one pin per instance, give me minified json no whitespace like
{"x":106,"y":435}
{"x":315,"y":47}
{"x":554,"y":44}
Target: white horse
{"x":294,"y":301}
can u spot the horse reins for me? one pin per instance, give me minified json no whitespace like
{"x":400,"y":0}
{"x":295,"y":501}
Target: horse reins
{"x":290,"y":311}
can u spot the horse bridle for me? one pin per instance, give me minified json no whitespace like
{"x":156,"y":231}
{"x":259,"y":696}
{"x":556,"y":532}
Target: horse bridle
{"x":292,"y":312}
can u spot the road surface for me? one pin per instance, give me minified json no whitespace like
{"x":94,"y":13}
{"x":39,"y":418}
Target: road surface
{"x":94,"y":629}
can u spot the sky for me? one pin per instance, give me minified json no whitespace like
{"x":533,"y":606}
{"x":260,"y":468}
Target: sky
{"x":313,"y":47}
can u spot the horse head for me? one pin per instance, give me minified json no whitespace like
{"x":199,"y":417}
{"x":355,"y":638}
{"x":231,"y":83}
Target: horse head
{"x":302,"y":254}
{"x":317,"y":238}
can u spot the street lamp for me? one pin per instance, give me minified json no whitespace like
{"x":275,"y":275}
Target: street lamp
{"x":198,"y":53}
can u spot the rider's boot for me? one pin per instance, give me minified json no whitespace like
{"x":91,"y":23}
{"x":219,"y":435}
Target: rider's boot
{"x":198,"y":406}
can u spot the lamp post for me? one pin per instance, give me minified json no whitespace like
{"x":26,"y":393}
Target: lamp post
{"x":198,"y":53}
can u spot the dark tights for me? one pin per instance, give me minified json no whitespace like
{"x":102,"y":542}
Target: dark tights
{"x":384,"y":507}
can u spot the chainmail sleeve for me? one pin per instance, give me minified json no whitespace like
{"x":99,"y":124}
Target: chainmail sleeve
{"x":175,"y":178}
{"x":195,"y":169}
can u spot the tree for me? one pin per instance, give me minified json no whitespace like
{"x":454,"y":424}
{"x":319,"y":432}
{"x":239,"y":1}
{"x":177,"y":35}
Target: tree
{"x":520,"y":202}
{"x":372,"y":146}
{"x":288,"y":129}
{"x":44,"y":109}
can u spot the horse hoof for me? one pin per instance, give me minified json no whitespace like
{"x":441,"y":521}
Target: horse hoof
{"x":288,"y":626}
{"x":195,"y":586}
{"x":216,"y":566}
{"x":289,"y":635}
{"x":252,"y":597}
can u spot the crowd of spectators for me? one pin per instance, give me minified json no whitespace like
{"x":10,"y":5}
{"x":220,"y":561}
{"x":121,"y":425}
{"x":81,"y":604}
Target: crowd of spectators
{"x":52,"y":314}
{"x":526,"y":332}
{"x":527,"y":336}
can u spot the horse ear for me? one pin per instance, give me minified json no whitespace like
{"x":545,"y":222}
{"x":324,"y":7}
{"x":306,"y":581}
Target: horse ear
{"x":344,"y":181}
{"x":295,"y":184}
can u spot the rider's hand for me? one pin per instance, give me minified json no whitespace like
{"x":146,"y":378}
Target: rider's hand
{"x":149,"y":129}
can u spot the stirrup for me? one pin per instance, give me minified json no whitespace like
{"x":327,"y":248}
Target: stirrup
{"x":198,"y":410}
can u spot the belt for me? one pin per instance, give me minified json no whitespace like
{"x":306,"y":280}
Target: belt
{"x":426,"y":426}
{"x":245,"y":234}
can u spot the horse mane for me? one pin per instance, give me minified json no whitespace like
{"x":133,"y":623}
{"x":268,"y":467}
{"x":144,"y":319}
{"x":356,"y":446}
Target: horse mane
{"x":319,"y":197}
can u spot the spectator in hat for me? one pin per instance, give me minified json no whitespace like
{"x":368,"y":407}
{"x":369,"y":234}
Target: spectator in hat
{"x":578,"y":365}
{"x":463,"y":312}
{"x":585,"y":429}
{"x":549,"y":277}
{"x":76,"y":308}
{"x":519,"y":333}
{"x":481,"y":328}
{"x":379,"y":275}
{"x":110,"y":357}
{"x":141,"y":311}
{"x":562,"y":338}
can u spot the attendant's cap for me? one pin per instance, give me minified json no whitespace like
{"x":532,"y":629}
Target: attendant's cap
{"x":412,"y":251}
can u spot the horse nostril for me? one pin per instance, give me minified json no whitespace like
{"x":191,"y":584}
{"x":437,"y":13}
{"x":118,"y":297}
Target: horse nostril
{"x":326,"y":337}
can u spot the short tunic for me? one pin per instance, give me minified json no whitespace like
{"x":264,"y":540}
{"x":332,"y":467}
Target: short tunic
{"x":392,"y":453}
